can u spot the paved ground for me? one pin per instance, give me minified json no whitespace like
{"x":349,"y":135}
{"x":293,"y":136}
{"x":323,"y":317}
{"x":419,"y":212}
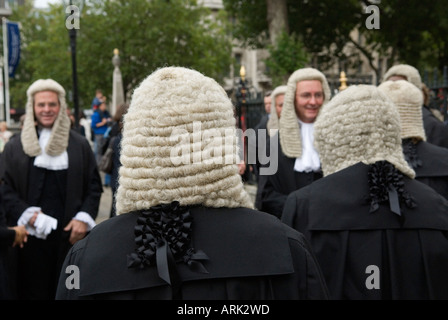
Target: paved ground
{"x":105,"y":204}
{"x":106,"y":200}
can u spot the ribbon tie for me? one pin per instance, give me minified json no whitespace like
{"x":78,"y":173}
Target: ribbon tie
{"x":386,"y":184}
{"x":163,"y":238}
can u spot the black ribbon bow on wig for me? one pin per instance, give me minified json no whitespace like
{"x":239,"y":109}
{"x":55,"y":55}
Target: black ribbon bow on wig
{"x":163,"y":237}
{"x":386,"y":184}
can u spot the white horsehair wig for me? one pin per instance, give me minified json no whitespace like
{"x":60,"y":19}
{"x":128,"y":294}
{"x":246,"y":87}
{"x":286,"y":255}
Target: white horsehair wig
{"x":404,"y":70}
{"x":58,"y":141}
{"x":409,"y":100}
{"x":359,"y":124}
{"x":273,"y":118}
{"x":178,"y":136}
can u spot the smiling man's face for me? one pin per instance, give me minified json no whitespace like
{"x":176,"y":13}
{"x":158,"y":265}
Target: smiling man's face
{"x":46,"y":108}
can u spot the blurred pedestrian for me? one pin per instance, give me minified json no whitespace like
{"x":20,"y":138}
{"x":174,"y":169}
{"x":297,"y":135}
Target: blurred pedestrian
{"x":436,"y":131}
{"x":51,"y":185}
{"x":185,"y":223}
{"x":277,"y":96}
{"x":262,"y":125}
{"x":115,"y":142}
{"x":376,"y":231}
{"x":98,"y":99}
{"x":430,"y":162}
{"x":100,"y":122}
{"x":5,"y":134}
{"x":292,"y":147}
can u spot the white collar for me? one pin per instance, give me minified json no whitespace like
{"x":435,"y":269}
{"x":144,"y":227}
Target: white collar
{"x":59,"y":162}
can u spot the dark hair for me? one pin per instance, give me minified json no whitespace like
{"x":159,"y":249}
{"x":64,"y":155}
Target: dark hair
{"x":268,"y":93}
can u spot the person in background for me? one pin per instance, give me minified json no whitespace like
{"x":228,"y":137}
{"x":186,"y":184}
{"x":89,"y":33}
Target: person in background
{"x":430,"y":162}
{"x":50,"y":185}
{"x":262,"y":125}
{"x":376,"y":231}
{"x":277,"y":96}
{"x":5,"y":134}
{"x":101,"y":120}
{"x":185,"y":226}
{"x":116,"y":134}
{"x":298,"y":161}
{"x":98,"y":99}
{"x":436,"y":131}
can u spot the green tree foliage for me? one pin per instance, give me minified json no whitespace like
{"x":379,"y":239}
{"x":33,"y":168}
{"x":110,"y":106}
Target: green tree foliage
{"x":323,"y":25}
{"x":286,"y":57}
{"x":44,"y":50}
{"x":411,"y":31}
{"x":250,"y":24}
{"x":148,"y":34}
{"x":415,"y":31}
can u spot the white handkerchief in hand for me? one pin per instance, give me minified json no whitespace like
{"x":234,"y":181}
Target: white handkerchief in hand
{"x":44,"y":225}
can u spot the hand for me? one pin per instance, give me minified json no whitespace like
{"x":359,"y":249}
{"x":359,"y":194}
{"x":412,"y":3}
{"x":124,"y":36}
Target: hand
{"x":78,"y":230}
{"x":33,"y":219}
{"x":21,"y":236}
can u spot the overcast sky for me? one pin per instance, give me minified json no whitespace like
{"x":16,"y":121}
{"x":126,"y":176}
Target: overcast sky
{"x":44,"y":3}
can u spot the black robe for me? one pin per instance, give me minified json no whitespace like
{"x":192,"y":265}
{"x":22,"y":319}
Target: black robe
{"x":436,"y":131}
{"x":432,"y":169}
{"x":412,"y":258}
{"x":7,"y":237}
{"x":274,"y":189}
{"x":23,"y":187}
{"x":252,"y":256}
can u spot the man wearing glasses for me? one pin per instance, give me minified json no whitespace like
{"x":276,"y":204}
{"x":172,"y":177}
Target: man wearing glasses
{"x":292,"y":146}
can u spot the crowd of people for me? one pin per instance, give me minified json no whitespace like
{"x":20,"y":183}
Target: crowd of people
{"x":356,"y":208}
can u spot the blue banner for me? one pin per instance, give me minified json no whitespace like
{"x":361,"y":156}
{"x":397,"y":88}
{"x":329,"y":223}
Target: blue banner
{"x":13,"y":47}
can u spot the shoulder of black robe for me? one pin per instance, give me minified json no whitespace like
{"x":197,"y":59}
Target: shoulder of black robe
{"x":434,"y":160}
{"x":14,"y":168}
{"x":349,"y":242}
{"x":252,"y":255}
{"x":436,"y":131}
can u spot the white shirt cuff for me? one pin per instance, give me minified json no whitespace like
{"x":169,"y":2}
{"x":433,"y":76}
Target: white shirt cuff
{"x":87,"y":218}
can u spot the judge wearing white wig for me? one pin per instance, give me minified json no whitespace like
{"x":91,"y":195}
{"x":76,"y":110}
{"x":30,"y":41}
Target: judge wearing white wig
{"x":51,"y":185}
{"x":435,"y":130}
{"x":298,"y":161}
{"x":377,"y":232}
{"x":186,"y":228}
